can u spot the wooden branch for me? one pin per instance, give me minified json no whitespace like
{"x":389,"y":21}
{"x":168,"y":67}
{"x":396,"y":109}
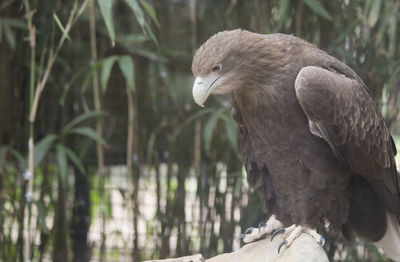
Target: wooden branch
{"x":303,"y":249}
{"x":193,"y":258}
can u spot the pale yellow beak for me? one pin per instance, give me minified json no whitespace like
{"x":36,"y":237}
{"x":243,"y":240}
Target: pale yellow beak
{"x":203,"y":87}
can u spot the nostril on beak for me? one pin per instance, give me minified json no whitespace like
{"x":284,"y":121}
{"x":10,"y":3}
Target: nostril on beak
{"x":200,"y":83}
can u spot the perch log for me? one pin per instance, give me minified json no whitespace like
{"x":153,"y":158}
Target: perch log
{"x":303,"y":249}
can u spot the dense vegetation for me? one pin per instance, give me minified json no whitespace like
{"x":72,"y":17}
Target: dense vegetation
{"x":88,"y":85}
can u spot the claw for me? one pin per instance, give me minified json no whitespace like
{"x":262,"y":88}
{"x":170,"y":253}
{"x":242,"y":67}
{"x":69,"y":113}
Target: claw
{"x":276,"y":232}
{"x":284,"y":242}
{"x":323,"y":241}
{"x":241,"y":236}
{"x":261,"y":225}
{"x":249,"y":230}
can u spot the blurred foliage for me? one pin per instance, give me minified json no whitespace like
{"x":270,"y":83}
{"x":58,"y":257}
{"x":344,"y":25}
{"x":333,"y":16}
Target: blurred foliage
{"x":178,"y":149}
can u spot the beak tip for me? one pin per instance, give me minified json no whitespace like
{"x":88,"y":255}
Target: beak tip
{"x":200,"y":91}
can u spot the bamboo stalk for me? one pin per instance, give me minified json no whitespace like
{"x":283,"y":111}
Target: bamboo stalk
{"x":52,"y":58}
{"x":32,"y":43}
{"x":35,"y":94}
{"x":99,"y":128}
{"x":129,"y":145}
{"x":95,"y":82}
{"x":135,"y":178}
{"x":299,"y":16}
{"x":130,"y":142}
{"x":198,"y":127}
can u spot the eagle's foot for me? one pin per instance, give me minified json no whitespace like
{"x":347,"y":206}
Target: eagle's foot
{"x":263,"y":228}
{"x":293,"y":232}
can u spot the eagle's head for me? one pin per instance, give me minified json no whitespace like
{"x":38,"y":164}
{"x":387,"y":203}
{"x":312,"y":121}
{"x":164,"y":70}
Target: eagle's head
{"x":239,"y":60}
{"x":217,"y":64}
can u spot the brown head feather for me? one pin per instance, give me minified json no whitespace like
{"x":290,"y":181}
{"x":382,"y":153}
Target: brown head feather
{"x":245,"y":56}
{"x":216,"y":49}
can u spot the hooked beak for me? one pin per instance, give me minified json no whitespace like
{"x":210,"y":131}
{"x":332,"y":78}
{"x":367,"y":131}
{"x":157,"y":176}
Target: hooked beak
{"x":203,"y":87}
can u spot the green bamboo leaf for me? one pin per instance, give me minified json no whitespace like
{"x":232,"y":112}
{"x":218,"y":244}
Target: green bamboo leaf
{"x":15,"y":23}
{"x":137,"y":11}
{"x":318,"y":8}
{"x":209,"y":128}
{"x":90,"y":73}
{"x":367,"y":7}
{"x":150,"y":32}
{"x":42,"y":216}
{"x":283,"y":10}
{"x":82,"y":118}
{"x":133,"y":39}
{"x":42,"y":147}
{"x":392,"y":34}
{"x":106,"y":70}
{"x":383,"y":29}
{"x":10,"y":36}
{"x":75,"y":78}
{"x":191,"y":119}
{"x":74,"y":158}
{"x":106,"y":12}
{"x":374,"y":12}
{"x":150,"y":147}
{"x":150,"y":10}
{"x":60,"y":25}
{"x":128,"y":70}
{"x":62,"y":162}
{"x":19,"y":157}
{"x":147,"y":53}
{"x":88,"y":132}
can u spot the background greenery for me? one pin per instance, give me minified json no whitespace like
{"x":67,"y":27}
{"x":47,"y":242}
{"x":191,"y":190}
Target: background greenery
{"x":113,"y":88}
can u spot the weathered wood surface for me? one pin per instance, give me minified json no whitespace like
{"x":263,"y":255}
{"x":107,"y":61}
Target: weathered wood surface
{"x":303,"y":249}
{"x":194,"y":258}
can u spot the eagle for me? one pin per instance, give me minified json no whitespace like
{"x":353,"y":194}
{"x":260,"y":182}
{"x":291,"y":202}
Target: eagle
{"x":311,"y":136}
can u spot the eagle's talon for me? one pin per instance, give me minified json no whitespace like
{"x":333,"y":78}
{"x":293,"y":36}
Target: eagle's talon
{"x":251,"y":234}
{"x":322,"y":241}
{"x":278,"y":231}
{"x":261,"y":225}
{"x":249,"y":230}
{"x":241,"y":236}
{"x":284,"y":242}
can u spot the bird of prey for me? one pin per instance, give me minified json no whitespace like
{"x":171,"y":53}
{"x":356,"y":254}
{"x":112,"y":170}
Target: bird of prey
{"x":311,"y":136}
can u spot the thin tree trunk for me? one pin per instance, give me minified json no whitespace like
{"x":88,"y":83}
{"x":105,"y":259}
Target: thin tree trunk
{"x":21,"y":221}
{"x":80,"y":217}
{"x":166,"y":223}
{"x":99,"y":128}
{"x":61,"y":247}
{"x":44,"y":236}
{"x":2,"y":246}
{"x":132,"y":172}
{"x":203,"y":190}
{"x":135,"y":175}
{"x":180,"y":196}
{"x":95,"y":82}
{"x":136,"y":212}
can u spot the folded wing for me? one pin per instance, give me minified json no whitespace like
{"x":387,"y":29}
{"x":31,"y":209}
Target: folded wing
{"x":341,"y":111}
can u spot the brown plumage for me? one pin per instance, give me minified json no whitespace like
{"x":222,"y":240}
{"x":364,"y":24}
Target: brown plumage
{"x":311,"y":135}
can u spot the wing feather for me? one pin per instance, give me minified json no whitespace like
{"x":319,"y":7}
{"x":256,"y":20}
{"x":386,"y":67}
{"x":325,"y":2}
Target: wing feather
{"x":341,"y":110}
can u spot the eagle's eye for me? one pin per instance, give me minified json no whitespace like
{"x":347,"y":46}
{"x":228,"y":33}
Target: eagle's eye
{"x":216,"y":68}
